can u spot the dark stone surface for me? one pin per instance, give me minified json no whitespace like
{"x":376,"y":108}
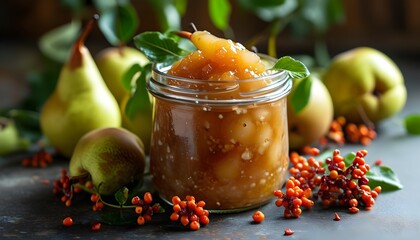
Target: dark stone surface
{"x":28,"y":209}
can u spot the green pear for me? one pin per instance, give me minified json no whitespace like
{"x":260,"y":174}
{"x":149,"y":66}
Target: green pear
{"x":111,"y":157}
{"x":113,"y":63}
{"x":80,"y":101}
{"x":365,"y":85}
{"x":140,"y":124}
{"x":312,"y":122}
{"x":9,"y":137}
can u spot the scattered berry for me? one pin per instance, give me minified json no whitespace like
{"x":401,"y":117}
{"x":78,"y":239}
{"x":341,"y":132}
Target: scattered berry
{"x":258,"y":217}
{"x":96,"y":226}
{"x":336,"y":217}
{"x":189,"y":212}
{"x":288,"y":232}
{"x":68,"y":221}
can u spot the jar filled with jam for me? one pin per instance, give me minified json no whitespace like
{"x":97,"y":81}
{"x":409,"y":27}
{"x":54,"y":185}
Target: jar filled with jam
{"x":220,"y":126}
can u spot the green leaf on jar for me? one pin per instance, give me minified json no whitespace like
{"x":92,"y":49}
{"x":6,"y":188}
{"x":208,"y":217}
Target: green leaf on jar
{"x":385,"y":177}
{"x":295,"y":68}
{"x":159,"y":47}
{"x":412,"y":123}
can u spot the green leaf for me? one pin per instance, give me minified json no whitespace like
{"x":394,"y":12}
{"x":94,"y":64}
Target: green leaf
{"x":57,"y":43}
{"x":159,"y":47}
{"x":27,"y":123}
{"x":349,"y":158}
{"x":219,"y":11}
{"x":295,"y":68}
{"x":301,"y":95}
{"x":167,"y":13}
{"x":119,"y":23}
{"x":324,"y":155}
{"x":103,"y":6}
{"x":269,"y":10}
{"x":252,"y":4}
{"x":121,"y":195}
{"x":160,"y":208}
{"x":383,"y":176}
{"x":181,"y":6}
{"x":128,"y":76}
{"x":118,"y":217}
{"x":140,"y":101}
{"x":412,"y":123}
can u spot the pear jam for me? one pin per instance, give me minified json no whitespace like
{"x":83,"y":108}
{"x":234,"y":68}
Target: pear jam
{"x":220,"y":126}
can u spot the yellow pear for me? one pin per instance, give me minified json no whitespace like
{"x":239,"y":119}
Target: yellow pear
{"x":80,"y":102}
{"x":313,"y":121}
{"x":9,"y":136}
{"x":140,"y":124}
{"x":113,"y":63}
{"x":111,"y":157}
{"x":365,"y":85}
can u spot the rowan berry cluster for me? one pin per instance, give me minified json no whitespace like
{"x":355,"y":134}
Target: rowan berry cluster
{"x":144,"y":208}
{"x":306,"y":171}
{"x":347,"y":186}
{"x":42,"y":159}
{"x":342,"y":131}
{"x":191,"y":213}
{"x":65,"y":187}
{"x":97,"y":203}
{"x":344,"y":186}
{"x":293,"y":198}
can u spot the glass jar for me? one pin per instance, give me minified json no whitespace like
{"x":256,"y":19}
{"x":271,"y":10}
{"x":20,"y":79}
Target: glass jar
{"x":224,"y":142}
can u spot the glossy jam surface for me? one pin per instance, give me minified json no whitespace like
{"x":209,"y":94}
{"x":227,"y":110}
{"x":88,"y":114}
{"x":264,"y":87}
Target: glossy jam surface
{"x":231,"y":156}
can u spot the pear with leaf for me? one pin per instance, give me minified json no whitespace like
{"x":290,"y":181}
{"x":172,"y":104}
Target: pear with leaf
{"x":117,"y":64}
{"x":113,"y":63}
{"x":80,"y":102}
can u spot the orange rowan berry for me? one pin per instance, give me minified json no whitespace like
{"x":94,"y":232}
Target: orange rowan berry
{"x":258,"y":217}
{"x":68,"y":221}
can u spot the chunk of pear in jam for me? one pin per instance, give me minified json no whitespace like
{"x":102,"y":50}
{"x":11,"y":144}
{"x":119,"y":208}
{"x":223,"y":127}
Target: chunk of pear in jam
{"x":220,"y":59}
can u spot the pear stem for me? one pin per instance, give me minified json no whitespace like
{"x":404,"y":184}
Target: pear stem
{"x":184,"y":34}
{"x":193,"y":27}
{"x":77,"y":179}
{"x":75,"y":60}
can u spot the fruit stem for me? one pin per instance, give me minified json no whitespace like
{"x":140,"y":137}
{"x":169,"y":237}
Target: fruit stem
{"x":75,"y":60}
{"x":77,"y":179}
{"x":184,"y":34}
{"x":113,"y":205}
{"x":193,"y":27}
